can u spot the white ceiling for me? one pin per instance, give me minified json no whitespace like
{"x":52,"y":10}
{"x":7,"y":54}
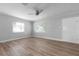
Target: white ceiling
{"x":28,"y":13}
{"x":21,"y":11}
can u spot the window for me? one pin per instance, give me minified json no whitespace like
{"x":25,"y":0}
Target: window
{"x":39,"y":28}
{"x":18,"y":27}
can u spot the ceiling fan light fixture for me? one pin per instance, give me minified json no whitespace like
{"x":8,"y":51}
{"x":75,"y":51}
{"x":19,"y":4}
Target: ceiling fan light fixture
{"x":38,"y":11}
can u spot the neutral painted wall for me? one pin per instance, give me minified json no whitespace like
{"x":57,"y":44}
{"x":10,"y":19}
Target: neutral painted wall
{"x":71,"y":29}
{"x":52,"y":27}
{"x":6,"y":27}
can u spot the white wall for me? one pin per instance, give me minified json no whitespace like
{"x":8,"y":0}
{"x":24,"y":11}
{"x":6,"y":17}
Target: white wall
{"x":6,"y":27}
{"x":52,"y":26}
{"x":71,"y":29}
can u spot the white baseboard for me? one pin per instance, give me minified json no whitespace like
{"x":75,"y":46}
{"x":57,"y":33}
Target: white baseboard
{"x":47,"y":38}
{"x":55,"y":39}
{"x":39,"y":37}
{"x":14,"y":39}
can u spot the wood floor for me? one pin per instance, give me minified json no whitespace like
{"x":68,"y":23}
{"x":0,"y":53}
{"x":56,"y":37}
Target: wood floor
{"x":38,"y":47}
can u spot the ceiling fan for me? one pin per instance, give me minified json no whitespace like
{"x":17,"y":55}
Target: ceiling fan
{"x":37,"y":9}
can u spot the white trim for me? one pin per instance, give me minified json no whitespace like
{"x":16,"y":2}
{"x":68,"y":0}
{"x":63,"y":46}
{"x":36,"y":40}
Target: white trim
{"x":55,"y":39}
{"x":14,"y":39}
{"x":39,"y":37}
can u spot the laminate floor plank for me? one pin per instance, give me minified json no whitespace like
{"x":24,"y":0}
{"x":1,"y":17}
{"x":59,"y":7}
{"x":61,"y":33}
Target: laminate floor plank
{"x":38,"y":47}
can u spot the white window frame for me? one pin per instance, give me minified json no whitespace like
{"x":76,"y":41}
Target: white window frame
{"x":18,"y":27}
{"x":39,"y":28}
